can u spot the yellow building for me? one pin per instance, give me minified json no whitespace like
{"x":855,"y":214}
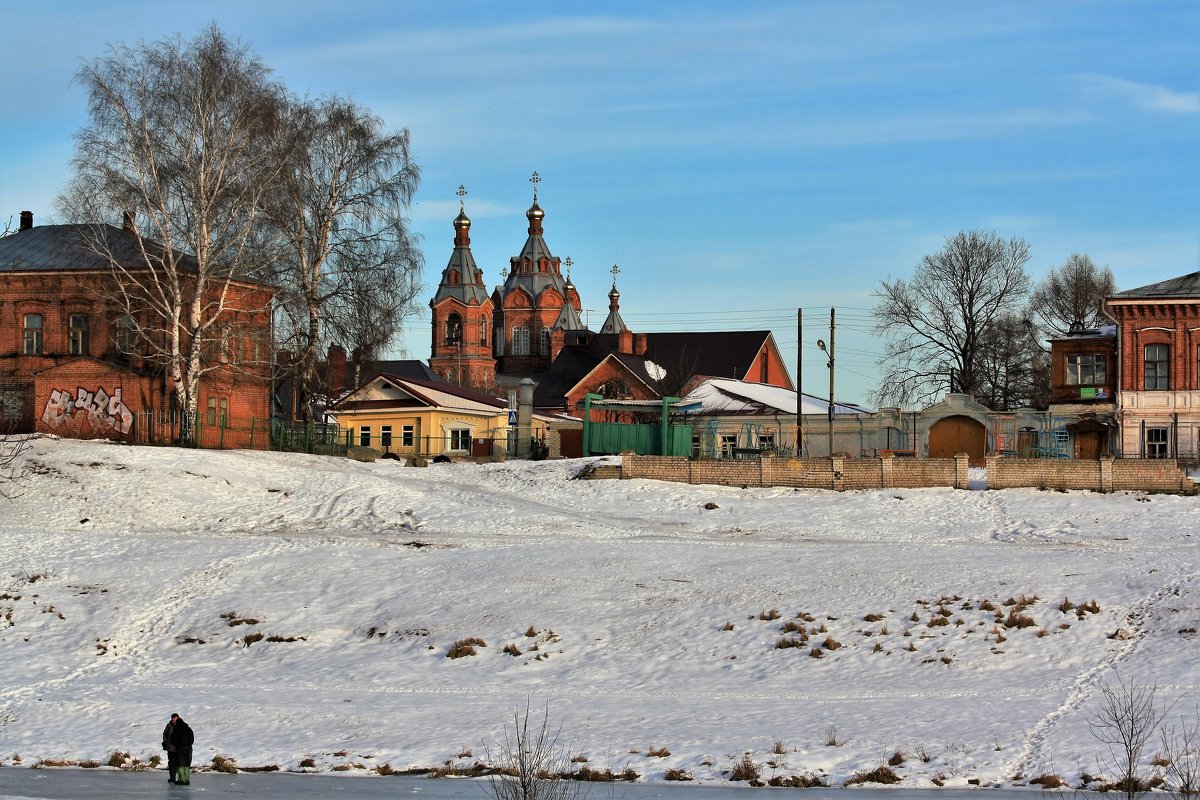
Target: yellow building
{"x":411,"y":417}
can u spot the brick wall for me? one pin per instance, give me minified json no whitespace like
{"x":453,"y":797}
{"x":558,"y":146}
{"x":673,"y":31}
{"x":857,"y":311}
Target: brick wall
{"x":1104,"y":475}
{"x":839,"y":473}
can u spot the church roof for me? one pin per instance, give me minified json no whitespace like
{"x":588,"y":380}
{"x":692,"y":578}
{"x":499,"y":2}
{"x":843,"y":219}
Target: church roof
{"x":1185,"y":286}
{"x":462,"y":279}
{"x":534,"y":281}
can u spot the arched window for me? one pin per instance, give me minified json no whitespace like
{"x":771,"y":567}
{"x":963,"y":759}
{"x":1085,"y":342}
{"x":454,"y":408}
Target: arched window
{"x":483,"y":331}
{"x":77,"y":334}
{"x":454,"y":329}
{"x":1158,"y":367}
{"x":544,"y":343}
{"x":124,"y":333}
{"x":33,"y":334}
{"x":520,"y":340}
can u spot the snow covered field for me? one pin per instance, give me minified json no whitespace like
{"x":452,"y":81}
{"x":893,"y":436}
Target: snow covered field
{"x":294,"y":607}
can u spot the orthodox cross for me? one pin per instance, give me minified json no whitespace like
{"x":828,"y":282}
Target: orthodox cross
{"x":462,"y":192}
{"x":535,"y":180}
{"x":504,"y":272}
{"x":568,"y":264}
{"x":615,"y":269}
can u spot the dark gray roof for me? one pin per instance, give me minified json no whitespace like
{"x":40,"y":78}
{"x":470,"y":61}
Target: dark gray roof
{"x":73,"y":247}
{"x":1183,"y":286}
{"x":535,"y":249}
{"x":468,"y":289}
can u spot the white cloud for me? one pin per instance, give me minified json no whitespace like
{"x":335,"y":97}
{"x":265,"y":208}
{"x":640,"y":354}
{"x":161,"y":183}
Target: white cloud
{"x":1143,"y":95}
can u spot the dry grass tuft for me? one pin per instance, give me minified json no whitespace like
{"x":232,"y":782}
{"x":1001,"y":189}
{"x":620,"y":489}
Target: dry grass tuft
{"x":658,"y":752}
{"x":785,"y":643}
{"x":1016,"y":619}
{"x":1049,"y":781}
{"x":778,"y":747}
{"x":937,"y":621}
{"x":512,"y":650}
{"x":881,"y":774}
{"x":251,"y":638}
{"x":769,"y":615}
{"x":227,"y":764}
{"x":728,"y":626}
{"x":308,"y":763}
{"x":805,"y":781}
{"x":831,"y":643}
{"x":465,"y":647}
{"x":117,"y":758}
{"x":744,"y":769}
{"x":531,"y":632}
{"x":897,"y":759}
{"x":677,"y":775}
{"x":47,"y":763}
{"x":873,"y":618}
{"x":89,"y":764}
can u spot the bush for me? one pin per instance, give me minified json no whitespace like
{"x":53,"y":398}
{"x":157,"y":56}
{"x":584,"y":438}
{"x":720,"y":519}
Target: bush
{"x":117,"y":758}
{"x":744,"y":769}
{"x":465,"y":647}
{"x":881,"y":774}
{"x":677,"y":775}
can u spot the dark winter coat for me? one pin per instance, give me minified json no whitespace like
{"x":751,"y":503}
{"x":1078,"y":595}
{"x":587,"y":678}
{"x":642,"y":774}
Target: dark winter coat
{"x":182,"y":736}
{"x":167,"y":731}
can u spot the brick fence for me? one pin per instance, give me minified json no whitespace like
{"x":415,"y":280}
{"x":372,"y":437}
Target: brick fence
{"x":843,"y":473}
{"x":839,"y":473}
{"x":1108,"y":474}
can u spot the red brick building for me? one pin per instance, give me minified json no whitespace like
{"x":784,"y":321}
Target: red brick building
{"x":71,"y":361}
{"x":1159,"y":371}
{"x":536,"y":333}
{"x":1083,"y":393}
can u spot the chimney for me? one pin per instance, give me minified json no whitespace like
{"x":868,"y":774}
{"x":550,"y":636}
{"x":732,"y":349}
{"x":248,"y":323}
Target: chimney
{"x":26,"y":221}
{"x":337,"y":367}
{"x":639,"y":344}
{"x":625,"y":342}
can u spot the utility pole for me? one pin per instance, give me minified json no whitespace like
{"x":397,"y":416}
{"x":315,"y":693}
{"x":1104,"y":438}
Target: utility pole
{"x":799,"y":382}
{"x":829,"y":352}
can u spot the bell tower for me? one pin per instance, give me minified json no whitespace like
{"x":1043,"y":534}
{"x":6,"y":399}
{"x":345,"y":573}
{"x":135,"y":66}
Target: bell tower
{"x":462,"y":315}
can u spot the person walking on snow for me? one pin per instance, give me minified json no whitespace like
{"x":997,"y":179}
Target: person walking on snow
{"x":182,"y":739}
{"x":172,"y":756}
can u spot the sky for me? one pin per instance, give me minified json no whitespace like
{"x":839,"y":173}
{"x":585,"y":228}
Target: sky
{"x":299,"y":611}
{"x":736,"y":160}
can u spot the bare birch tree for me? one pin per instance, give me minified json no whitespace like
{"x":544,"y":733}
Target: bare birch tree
{"x":1072,"y":294}
{"x":182,"y":141}
{"x":530,"y":763}
{"x":351,"y":274}
{"x":936,"y":322}
{"x":1128,"y":717}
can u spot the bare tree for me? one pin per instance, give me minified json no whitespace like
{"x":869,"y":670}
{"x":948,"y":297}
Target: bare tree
{"x":530,"y":763}
{"x":353,"y":266}
{"x":1129,"y":715}
{"x":937,"y":321}
{"x":1072,"y":294}
{"x":1013,"y":368}
{"x":1181,"y":752}
{"x":182,"y":141}
{"x":11,"y":448}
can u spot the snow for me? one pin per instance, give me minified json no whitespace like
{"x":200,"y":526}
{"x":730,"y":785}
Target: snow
{"x":726,"y":396}
{"x":117,"y":562}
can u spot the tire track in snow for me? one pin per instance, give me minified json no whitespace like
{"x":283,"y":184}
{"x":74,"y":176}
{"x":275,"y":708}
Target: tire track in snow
{"x":1032,"y":755}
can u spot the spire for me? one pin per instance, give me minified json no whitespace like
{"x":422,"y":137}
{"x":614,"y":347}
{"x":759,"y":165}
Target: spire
{"x":462,"y":279}
{"x":613,"y":323}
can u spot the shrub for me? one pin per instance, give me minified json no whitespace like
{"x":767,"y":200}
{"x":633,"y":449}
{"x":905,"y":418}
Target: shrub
{"x":226,"y":764}
{"x":881,"y":774}
{"x":677,"y":775}
{"x":897,"y":759}
{"x":308,"y":763}
{"x":386,"y":769}
{"x":744,"y":769}
{"x":117,"y":758}
{"x":465,"y":647}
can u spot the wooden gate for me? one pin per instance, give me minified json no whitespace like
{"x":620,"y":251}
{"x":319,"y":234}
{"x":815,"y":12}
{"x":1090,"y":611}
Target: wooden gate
{"x":570,"y":442}
{"x":958,"y":434}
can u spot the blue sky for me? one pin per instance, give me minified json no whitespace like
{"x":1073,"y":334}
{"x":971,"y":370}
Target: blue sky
{"x":737,"y":160}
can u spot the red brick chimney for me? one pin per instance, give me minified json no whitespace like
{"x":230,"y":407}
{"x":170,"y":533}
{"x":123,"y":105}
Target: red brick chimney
{"x":639,"y":344}
{"x":26,"y":221}
{"x":625,"y":342}
{"x":337,"y":368}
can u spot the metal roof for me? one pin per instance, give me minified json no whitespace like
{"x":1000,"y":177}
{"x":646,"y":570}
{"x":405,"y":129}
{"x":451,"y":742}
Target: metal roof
{"x":53,"y":248}
{"x":1183,"y":286}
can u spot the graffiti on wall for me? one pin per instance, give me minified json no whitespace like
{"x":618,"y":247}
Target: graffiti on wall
{"x":98,"y":411}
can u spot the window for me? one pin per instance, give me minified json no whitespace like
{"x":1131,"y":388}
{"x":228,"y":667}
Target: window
{"x":407,"y":435}
{"x":364,"y":435}
{"x":1156,"y":443}
{"x":764,"y":373}
{"x":224,"y":412}
{"x":385,"y":436}
{"x":77,"y":331}
{"x":766,"y":441}
{"x":520,"y":340}
{"x":728,"y":442}
{"x":211,"y":417}
{"x":498,"y":339}
{"x":1086,"y":369}
{"x":123,"y":337}
{"x":544,"y":342}
{"x":483,"y":329}
{"x":454,"y":329}
{"x":1157,"y":367}
{"x":460,"y":439}
{"x":33,"y":334}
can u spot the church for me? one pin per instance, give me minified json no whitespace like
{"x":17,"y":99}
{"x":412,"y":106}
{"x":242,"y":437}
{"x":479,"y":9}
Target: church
{"x":529,"y":327}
